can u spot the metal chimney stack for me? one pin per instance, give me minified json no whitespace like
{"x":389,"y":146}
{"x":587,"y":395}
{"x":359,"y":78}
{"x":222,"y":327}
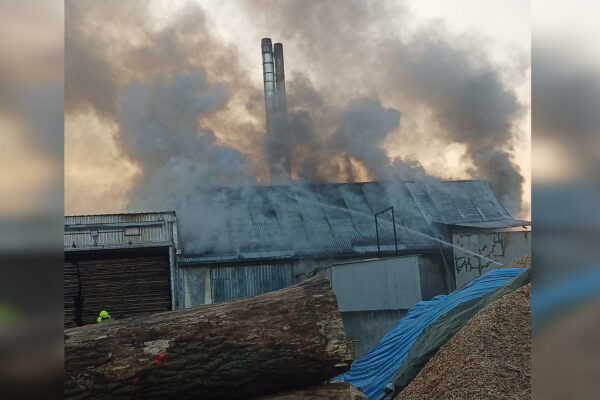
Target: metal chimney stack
{"x":279,"y":78}
{"x":276,"y":110}
{"x":269,"y":81}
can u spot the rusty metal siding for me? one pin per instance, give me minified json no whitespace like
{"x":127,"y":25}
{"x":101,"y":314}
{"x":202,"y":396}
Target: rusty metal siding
{"x":108,"y":231}
{"x":229,"y":283}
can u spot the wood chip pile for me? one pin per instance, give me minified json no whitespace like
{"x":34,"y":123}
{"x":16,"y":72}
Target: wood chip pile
{"x":489,"y":358}
{"x":522,"y":262}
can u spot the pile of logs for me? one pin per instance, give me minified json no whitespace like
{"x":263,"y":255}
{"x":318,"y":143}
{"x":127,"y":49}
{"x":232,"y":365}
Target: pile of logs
{"x":288,"y":339}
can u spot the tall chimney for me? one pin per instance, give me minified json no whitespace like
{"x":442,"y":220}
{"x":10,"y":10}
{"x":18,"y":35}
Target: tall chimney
{"x":269,"y":81}
{"x":279,"y":78}
{"x":276,"y":110}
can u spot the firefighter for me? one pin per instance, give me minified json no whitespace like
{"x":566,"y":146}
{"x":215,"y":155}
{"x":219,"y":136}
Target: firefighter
{"x":102,"y":316}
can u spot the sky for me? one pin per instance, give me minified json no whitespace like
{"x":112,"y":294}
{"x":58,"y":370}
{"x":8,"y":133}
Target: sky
{"x":163,"y":99}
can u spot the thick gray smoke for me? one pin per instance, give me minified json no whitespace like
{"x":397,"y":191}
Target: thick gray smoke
{"x":472,"y":106}
{"x":176,"y":92}
{"x":450,"y":80}
{"x":182,"y":163}
{"x":328,"y":144}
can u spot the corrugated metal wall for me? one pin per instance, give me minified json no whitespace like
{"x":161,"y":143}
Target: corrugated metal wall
{"x":109,"y":231}
{"x":221,"y":282}
{"x":125,"y":287}
{"x":230,"y":283}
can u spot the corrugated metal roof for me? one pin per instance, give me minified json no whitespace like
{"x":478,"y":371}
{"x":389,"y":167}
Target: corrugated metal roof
{"x":338,"y":219}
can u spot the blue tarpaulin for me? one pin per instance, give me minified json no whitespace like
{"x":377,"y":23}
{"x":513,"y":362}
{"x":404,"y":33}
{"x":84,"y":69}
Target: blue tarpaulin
{"x":374,"y":370}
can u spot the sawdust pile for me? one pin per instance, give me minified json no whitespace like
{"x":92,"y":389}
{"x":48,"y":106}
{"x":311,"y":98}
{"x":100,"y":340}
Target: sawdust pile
{"x":489,"y":358}
{"x":521,"y":262}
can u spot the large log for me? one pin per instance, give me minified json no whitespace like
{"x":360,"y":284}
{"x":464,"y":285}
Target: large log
{"x":281,"y":340}
{"x":326,"y":391}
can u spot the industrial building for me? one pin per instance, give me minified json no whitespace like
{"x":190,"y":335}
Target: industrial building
{"x":383,"y":245}
{"x":280,"y":235}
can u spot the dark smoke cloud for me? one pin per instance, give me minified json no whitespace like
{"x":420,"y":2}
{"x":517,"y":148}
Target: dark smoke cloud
{"x":363,"y":125}
{"x":92,"y":77}
{"x":450,"y":77}
{"x":102,"y":58}
{"x":471,"y":105}
{"x":181,"y":160}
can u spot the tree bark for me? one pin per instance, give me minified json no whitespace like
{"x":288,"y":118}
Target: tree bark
{"x":281,"y":340}
{"x":327,"y":391}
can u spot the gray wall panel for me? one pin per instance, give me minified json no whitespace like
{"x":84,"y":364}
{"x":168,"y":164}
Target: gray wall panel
{"x":385,"y":284}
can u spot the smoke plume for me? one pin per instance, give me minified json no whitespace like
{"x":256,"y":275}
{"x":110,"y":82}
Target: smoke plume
{"x":362,"y":100}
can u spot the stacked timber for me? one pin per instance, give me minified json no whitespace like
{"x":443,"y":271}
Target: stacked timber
{"x":282,"y":340}
{"x":124,"y":287}
{"x":71,"y":294}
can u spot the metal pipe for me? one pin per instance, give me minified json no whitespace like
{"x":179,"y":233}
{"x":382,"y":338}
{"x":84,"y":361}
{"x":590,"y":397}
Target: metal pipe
{"x":377,"y":214}
{"x":279,"y":78}
{"x":394,"y":225}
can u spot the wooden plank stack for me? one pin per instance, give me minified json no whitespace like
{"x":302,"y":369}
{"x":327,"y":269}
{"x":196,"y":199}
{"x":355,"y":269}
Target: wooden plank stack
{"x":71,"y":294}
{"x":124,"y":287}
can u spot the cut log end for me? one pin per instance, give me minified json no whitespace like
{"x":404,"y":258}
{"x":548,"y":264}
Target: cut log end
{"x":328,"y":391}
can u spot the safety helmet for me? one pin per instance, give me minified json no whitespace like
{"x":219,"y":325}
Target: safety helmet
{"x":103,"y":315}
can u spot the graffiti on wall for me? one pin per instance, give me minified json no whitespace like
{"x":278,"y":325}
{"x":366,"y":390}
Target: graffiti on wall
{"x":490,"y":246}
{"x":501,"y":247}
